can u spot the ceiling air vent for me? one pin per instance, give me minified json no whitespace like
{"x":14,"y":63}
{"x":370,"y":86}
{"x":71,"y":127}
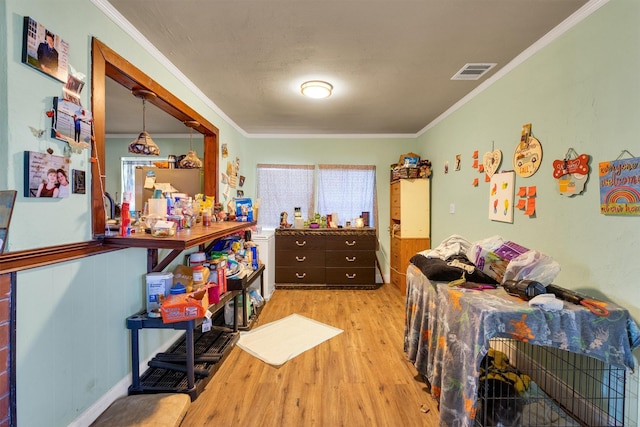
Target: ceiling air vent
{"x":472,"y":71}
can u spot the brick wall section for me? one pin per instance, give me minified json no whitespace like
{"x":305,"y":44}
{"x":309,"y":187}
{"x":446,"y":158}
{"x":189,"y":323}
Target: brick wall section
{"x":5,"y":348}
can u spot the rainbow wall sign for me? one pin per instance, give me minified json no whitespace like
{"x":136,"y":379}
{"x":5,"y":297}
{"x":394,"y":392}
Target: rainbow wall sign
{"x":620,"y":187}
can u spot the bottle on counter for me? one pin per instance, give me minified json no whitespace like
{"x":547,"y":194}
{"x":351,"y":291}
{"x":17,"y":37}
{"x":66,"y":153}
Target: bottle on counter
{"x":125,"y":217}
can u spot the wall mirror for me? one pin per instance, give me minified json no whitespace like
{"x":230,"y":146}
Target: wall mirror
{"x":107,"y":64}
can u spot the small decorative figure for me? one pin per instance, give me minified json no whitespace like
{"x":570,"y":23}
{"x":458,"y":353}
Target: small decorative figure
{"x":283,"y":220}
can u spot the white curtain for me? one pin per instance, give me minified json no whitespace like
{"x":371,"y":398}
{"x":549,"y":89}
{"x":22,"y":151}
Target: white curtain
{"x":348,"y":190}
{"x":281,"y":188}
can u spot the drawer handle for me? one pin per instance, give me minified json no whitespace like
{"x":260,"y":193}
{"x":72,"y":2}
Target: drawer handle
{"x":353,"y":243}
{"x":301,"y":276}
{"x":351,"y":276}
{"x":304,"y":242}
{"x":299,"y":259}
{"x":350,"y":259}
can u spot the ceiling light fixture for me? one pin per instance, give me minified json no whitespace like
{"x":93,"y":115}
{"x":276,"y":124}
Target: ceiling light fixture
{"x":143,"y":144}
{"x":316,"y":89}
{"x":191,"y":160}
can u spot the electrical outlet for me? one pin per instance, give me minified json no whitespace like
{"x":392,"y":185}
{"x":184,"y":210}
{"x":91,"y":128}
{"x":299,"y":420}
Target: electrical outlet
{"x":452,"y":208}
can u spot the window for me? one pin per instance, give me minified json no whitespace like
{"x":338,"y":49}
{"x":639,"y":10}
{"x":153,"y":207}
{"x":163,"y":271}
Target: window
{"x":347,"y":190}
{"x":128,"y":167}
{"x":282,"y":188}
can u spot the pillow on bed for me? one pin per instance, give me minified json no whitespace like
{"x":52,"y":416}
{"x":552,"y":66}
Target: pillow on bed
{"x":445,"y":270}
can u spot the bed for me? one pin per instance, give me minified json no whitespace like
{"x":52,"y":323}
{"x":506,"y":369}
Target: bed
{"x":448,"y":331}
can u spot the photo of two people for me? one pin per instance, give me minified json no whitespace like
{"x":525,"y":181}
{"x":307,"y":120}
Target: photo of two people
{"x":46,"y":175}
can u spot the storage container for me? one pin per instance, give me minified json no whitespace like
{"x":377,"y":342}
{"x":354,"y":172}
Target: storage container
{"x":158,"y":286}
{"x":228,"y":311}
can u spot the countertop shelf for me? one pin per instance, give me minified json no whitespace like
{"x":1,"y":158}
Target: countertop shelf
{"x":184,"y":239}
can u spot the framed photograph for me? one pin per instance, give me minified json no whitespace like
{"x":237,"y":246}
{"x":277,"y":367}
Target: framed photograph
{"x":78,"y":182}
{"x":46,"y":175}
{"x":71,"y":123}
{"x":44,"y":50}
{"x":72,"y":89}
{"x":7,"y":200}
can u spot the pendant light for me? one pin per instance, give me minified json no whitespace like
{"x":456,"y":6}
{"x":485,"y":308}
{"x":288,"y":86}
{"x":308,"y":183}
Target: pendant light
{"x":191,"y":160}
{"x":143,"y":144}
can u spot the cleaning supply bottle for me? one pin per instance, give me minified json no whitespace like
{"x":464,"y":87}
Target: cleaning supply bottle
{"x":125,"y":217}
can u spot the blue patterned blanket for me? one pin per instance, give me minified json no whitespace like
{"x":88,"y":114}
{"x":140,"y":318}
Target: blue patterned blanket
{"x":447,"y":333}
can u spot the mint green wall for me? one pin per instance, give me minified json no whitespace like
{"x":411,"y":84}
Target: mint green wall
{"x":381,"y":152}
{"x":4,"y":152}
{"x":581,"y":92}
{"x":30,"y":94}
{"x":72,"y":345}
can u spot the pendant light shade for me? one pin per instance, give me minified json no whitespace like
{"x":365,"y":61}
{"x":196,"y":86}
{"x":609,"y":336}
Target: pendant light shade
{"x":143,"y":144}
{"x":191,"y":160}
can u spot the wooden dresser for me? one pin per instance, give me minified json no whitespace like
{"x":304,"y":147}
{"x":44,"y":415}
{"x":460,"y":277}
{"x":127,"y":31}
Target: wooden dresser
{"x":325,"y":257}
{"x":409,"y":225}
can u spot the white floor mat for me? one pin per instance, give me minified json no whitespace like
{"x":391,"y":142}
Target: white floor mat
{"x":284,"y":339}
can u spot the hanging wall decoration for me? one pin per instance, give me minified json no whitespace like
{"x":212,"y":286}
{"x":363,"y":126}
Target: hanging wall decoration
{"x":572,"y":173}
{"x":620,"y":186}
{"x":491,"y":161}
{"x":71,"y":123}
{"x":501,"y":197}
{"x":79,"y":185}
{"x":528,"y":153}
{"x":44,"y":175}
{"x":45,"y":51}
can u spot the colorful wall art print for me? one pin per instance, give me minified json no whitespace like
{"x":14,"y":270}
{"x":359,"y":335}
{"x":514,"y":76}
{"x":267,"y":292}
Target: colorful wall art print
{"x":501,"y":197}
{"x":620,"y":187}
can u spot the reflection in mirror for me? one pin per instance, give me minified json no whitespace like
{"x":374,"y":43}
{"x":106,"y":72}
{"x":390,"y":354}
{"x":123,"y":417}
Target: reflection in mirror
{"x":106,"y":64}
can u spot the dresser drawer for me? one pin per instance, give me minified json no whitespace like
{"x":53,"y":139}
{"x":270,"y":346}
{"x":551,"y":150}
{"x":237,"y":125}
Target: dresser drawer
{"x":351,"y":259}
{"x":395,"y":212}
{"x":351,"y":242}
{"x":351,"y":276}
{"x":394,"y":194}
{"x":307,"y":275}
{"x":300,"y":258}
{"x":395,"y":261}
{"x":396,"y":243}
{"x":397,"y":279}
{"x":310,"y":243}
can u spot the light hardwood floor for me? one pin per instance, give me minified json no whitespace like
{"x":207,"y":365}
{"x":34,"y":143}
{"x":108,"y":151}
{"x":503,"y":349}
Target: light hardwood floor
{"x":358,"y":378}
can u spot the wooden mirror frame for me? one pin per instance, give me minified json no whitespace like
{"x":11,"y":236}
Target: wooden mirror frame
{"x":107,"y":63}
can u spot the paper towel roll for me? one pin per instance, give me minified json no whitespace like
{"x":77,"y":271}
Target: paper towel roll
{"x":158,"y":207}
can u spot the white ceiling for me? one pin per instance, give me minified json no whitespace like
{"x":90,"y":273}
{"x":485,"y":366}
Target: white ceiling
{"x":390,"y":61}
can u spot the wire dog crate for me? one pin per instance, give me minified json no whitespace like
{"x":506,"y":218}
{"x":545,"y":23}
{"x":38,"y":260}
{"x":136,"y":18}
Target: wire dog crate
{"x":527,"y":385}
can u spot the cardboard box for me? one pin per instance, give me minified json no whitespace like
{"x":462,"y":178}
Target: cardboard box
{"x":494,"y":263}
{"x":178,"y":308}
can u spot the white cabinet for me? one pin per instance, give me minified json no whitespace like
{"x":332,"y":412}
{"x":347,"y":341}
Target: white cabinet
{"x":265,"y":240}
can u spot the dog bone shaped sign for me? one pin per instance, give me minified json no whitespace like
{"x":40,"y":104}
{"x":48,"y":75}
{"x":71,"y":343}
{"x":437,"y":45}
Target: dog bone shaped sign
{"x":491,"y":161}
{"x":579,"y":165}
